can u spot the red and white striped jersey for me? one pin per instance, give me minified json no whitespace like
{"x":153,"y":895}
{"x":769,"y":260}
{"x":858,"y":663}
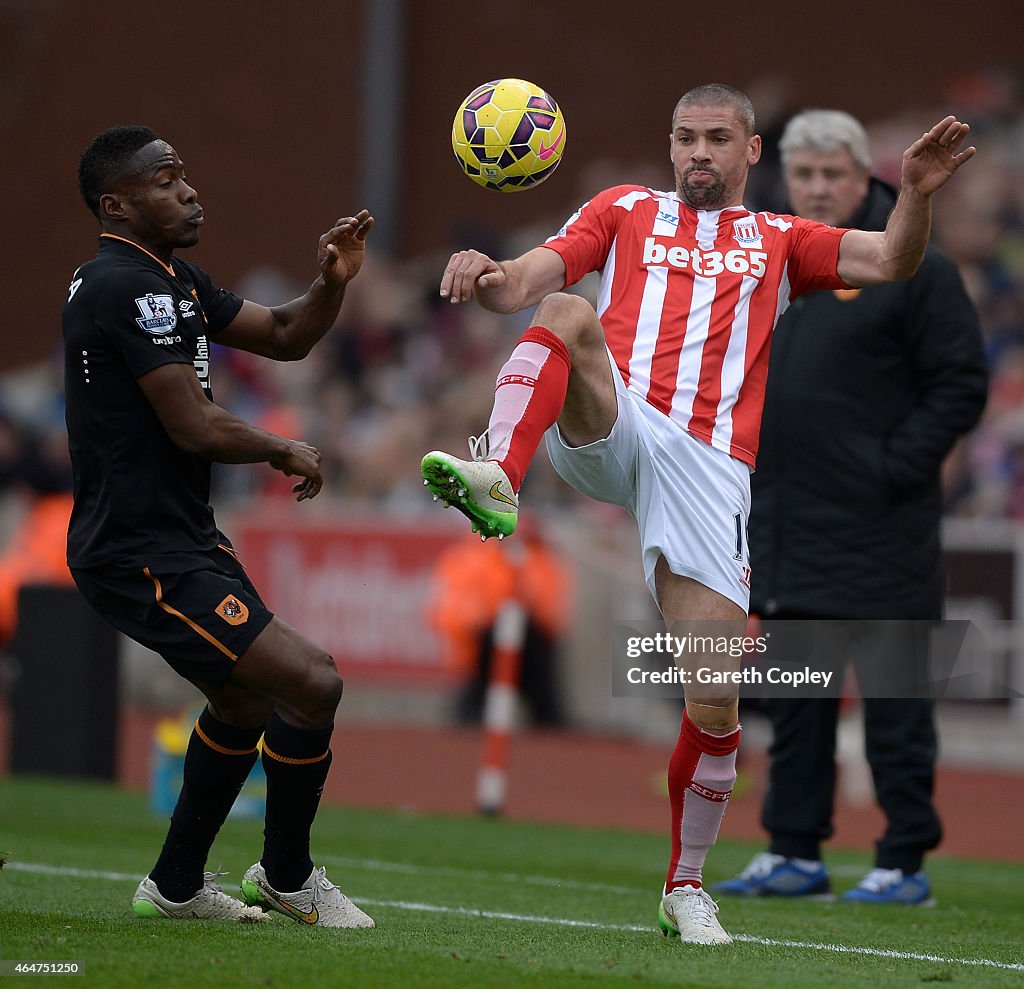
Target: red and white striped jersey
{"x":689,"y":299}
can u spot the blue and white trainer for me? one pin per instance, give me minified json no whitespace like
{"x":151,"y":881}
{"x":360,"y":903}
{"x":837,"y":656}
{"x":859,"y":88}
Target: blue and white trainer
{"x":776,"y":875}
{"x":892,"y":886}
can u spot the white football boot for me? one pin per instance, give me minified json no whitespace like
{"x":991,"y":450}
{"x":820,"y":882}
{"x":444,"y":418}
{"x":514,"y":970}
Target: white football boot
{"x":318,"y":903}
{"x":478,"y":488}
{"x":210,"y":903}
{"x":689,"y":914}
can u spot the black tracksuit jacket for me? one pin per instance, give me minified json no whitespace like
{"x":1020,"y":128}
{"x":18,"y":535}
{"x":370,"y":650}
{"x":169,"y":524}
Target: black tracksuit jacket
{"x":867,"y":392}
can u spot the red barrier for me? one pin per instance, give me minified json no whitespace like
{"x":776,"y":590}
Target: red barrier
{"x":359,"y":588}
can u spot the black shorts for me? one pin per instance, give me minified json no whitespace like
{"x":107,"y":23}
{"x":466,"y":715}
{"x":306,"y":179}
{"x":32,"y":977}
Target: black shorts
{"x":198,"y":610}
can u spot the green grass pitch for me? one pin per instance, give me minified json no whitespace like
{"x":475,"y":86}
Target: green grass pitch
{"x":469,"y":902}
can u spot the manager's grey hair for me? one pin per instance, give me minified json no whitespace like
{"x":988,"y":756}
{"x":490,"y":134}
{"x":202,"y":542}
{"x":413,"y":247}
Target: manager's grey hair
{"x":826,"y":130}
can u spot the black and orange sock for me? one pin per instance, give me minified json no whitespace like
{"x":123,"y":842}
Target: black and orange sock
{"x":296,"y":762}
{"x":217,"y":762}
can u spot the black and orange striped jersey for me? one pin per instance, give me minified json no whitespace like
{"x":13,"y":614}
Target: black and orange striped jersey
{"x":137,"y":495}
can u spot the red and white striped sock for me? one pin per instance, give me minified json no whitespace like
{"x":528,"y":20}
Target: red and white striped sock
{"x":528,"y":398}
{"x":701,"y":775}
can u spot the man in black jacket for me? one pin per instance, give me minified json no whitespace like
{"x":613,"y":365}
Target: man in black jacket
{"x":868,"y":389}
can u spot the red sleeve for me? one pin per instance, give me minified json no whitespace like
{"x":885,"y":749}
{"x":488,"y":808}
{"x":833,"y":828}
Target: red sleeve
{"x":813,"y":256}
{"x":586,"y":239}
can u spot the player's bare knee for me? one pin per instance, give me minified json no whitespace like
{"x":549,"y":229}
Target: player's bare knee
{"x":326,"y":685}
{"x":334,"y":687}
{"x":718,"y":715}
{"x":315,"y":692}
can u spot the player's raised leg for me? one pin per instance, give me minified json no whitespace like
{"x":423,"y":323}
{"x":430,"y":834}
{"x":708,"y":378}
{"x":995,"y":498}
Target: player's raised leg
{"x":558,"y":371}
{"x":702,"y":769}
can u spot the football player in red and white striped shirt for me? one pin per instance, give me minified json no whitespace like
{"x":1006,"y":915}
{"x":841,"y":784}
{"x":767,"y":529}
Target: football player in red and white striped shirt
{"x":653,"y":402}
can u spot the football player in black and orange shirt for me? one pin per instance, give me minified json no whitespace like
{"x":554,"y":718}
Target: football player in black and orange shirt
{"x":143,"y":544}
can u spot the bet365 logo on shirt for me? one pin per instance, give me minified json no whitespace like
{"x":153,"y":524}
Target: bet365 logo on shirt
{"x":705,"y":263}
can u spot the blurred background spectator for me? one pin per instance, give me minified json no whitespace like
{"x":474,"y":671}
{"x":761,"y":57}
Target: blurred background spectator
{"x":472,"y":582}
{"x":35,"y":482}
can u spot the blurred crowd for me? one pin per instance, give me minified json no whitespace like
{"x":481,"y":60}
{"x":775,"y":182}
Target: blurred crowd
{"x":405,"y":372}
{"x":980,"y":225}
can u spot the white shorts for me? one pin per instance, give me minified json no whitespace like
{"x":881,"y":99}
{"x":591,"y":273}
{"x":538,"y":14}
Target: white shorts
{"x":690,"y":501}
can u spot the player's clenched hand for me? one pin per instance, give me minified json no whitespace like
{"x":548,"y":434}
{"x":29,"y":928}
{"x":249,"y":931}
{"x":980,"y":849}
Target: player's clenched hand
{"x":468,"y":270}
{"x":935,"y":156}
{"x":303,"y":460}
{"x":343,"y":247}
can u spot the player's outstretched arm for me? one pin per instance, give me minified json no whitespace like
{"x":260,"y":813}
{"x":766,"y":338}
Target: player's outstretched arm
{"x":195,"y":425}
{"x":867,"y":257}
{"x":505,"y":286}
{"x":289,"y":332}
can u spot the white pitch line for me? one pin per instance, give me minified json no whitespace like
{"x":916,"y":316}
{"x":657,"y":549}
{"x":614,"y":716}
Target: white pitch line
{"x":67,"y":870}
{"x":409,"y":868}
{"x":553,"y":882}
{"x":841,"y":949}
{"x":648,"y":929}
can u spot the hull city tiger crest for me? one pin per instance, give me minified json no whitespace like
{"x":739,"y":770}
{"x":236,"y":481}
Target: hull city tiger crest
{"x":158,"y":313}
{"x":233,"y":611}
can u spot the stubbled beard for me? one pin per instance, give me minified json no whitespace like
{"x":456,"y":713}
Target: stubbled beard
{"x":702,"y":196}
